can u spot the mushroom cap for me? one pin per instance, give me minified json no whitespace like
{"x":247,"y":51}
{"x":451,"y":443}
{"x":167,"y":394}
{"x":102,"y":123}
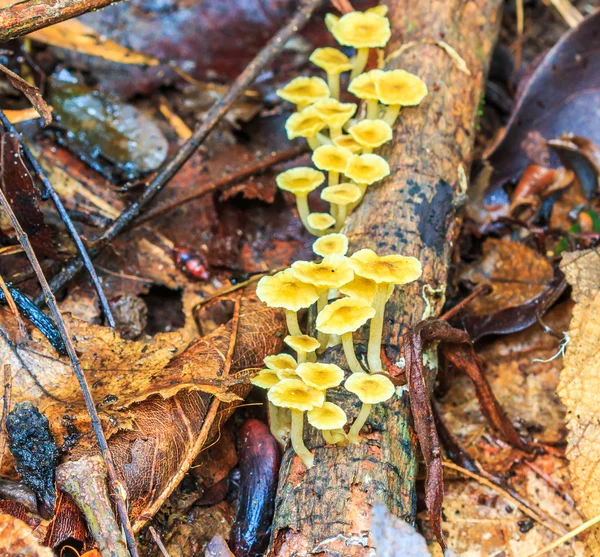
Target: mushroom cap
{"x":288,"y":373}
{"x":390,"y":269}
{"x":284,"y":290}
{"x":280,"y":361}
{"x":367,"y":169}
{"x":332,"y":272}
{"x":328,"y":416}
{"x":371,"y":133}
{"x":333,"y":112}
{"x":300,"y":180}
{"x":363,"y":86}
{"x":363,"y":289}
{"x":400,"y":87}
{"x":362,"y":30}
{"x":344,"y":316}
{"x":306,"y":123}
{"x":294,"y":393}
{"x":320,"y":221}
{"x":381,"y":10}
{"x":369,"y":388}
{"x":321,"y":376}
{"x":348,"y":142}
{"x":331,"y":244}
{"x":304,"y":90}
{"x":342,"y":194}
{"x":332,"y":60}
{"x":330,"y":21}
{"x":331,"y":158}
{"x":302,"y":343}
{"x":265,"y":379}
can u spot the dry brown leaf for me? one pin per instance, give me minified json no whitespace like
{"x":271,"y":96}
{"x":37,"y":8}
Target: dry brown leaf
{"x":17,"y":539}
{"x":580,"y":384}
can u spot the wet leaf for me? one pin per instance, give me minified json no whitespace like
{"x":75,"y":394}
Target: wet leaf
{"x":17,"y":539}
{"x":31,"y":92}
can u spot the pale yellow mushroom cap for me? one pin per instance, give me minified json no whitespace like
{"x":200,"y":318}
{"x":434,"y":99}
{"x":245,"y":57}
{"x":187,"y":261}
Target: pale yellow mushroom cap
{"x":400,"y":87}
{"x":320,"y":221}
{"x":367,"y":169}
{"x":304,"y":90}
{"x":331,"y":158}
{"x":381,"y":10}
{"x":288,"y":373}
{"x":370,"y":389}
{"x":300,"y":180}
{"x":306,"y":123}
{"x":344,"y":316}
{"x":331,"y":244}
{"x":294,"y":393}
{"x":328,"y":416}
{"x":330,"y":21}
{"x":302,"y":343}
{"x":278,"y":362}
{"x":265,"y":379}
{"x":321,"y":376}
{"x":363,"y":289}
{"x":333,"y":272}
{"x":332,"y":60}
{"x":363,"y":86}
{"x":362,"y":30}
{"x":342,"y":194}
{"x":390,"y":269}
{"x":348,"y":142}
{"x":371,"y":133}
{"x":284,"y":290}
{"x":334,"y":113}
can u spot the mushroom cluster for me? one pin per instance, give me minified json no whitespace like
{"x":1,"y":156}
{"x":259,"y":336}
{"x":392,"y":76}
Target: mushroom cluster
{"x":349,"y":292}
{"x":341,"y":137}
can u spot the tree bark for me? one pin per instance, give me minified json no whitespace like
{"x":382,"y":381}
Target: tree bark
{"x":327,"y":509}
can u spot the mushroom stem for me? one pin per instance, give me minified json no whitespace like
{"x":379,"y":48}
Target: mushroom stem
{"x":328,"y":436}
{"x":301,"y":356}
{"x":291,"y":318}
{"x":372,"y":109}
{"x":303,"y":212}
{"x":279,"y":423}
{"x":333,"y":80}
{"x":323,"y":338}
{"x":359,"y":62}
{"x":353,"y":363}
{"x":392,"y":113}
{"x":376,"y":328}
{"x":359,"y":423}
{"x":313,"y":142}
{"x":340,"y":217}
{"x":333,"y":178}
{"x":339,"y":437}
{"x":298,"y":440}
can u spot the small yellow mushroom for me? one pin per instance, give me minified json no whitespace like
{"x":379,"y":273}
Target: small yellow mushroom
{"x":304,"y":346}
{"x":321,"y":376}
{"x":370,"y":134}
{"x":330,"y":21}
{"x":381,"y":10}
{"x":361,"y":31}
{"x":278,"y":362}
{"x":348,"y":142}
{"x":306,"y":124}
{"x":304,"y":91}
{"x":364,"y":88}
{"x":284,"y":290}
{"x":365,"y":170}
{"x":330,"y":419}
{"x":384,"y":271}
{"x":343,"y":317}
{"x":334,"y":62}
{"x":265,"y":379}
{"x":300,"y":181}
{"x":335,"y":114}
{"x":319,"y":223}
{"x":370,"y":389}
{"x":363,"y":289}
{"x":333,"y":160}
{"x":332,"y":244}
{"x":341,"y":197}
{"x":398,"y":88}
{"x":299,"y":397}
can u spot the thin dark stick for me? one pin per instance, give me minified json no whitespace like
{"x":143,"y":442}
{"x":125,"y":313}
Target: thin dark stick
{"x":158,"y":542}
{"x":41,"y":175}
{"x":480,"y":290}
{"x":201,"y":131}
{"x":115,"y":485}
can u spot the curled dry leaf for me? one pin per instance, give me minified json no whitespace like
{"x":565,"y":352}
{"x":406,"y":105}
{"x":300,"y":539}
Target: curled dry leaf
{"x":31,"y":92}
{"x":17,"y":539}
{"x":155,"y":407}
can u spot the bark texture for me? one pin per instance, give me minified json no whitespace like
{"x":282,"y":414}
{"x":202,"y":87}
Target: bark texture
{"x":326,"y":511}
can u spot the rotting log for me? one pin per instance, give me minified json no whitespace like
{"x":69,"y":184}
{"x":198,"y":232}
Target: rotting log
{"x":327,"y":509}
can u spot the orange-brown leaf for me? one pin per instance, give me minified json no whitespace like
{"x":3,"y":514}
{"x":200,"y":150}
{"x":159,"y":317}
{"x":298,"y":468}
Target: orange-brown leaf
{"x":17,"y":539}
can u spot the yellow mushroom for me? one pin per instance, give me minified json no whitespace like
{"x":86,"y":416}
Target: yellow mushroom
{"x":278,"y":362}
{"x":364,"y":88}
{"x":343,"y":317}
{"x":348,"y":142}
{"x":385,"y":271}
{"x":306,"y":124}
{"x":333,"y":160}
{"x":284,"y":290}
{"x":300,"y":181}
{"x":265,"y":379}
{"x":298,"y":397}
{"x":370,"y":389}
{"x":330,"y":419}
{"x":332,"y":244}
{"x":370,"y":134}
{"x":341,"y":196}
{"x":319,"y":223}
{"x":334,"y":62}
{"x":381,"y":10}
{"x":304,"y":91}
{"x":398,"y":88}
{"x":321,"y":376}
{"x":335,"y":114}
{"x":304,"y":346}
{"x":363,"y":289}
{"x":365,"y":170}
{"x":330,"y":21}
{"x":361,"y":31}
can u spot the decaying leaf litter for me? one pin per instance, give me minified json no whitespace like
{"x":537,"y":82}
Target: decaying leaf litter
{"x":170,"y":375}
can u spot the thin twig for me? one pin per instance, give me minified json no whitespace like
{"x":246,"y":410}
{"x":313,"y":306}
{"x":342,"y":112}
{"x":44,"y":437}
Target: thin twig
{"x":201,"y":131}
{"x":41,"y":175}
{"x":115,"y":485}
{"x":13,"y":306}
{"x":575,"y":532}
{"x":5,"y":408}
{"x":568,"y":12}
{"x":158,"y":541}
{"x":480,"y":290}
